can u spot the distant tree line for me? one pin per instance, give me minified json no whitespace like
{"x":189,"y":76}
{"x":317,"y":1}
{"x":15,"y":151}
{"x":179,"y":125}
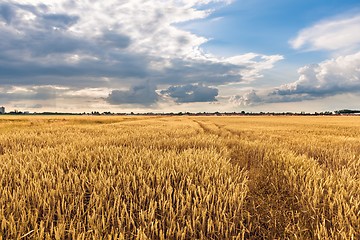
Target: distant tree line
{"x":240,"y":113}
{"x":347,"y":111}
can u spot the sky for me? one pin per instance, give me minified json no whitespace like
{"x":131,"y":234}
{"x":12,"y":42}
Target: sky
{"x":179,"y":55}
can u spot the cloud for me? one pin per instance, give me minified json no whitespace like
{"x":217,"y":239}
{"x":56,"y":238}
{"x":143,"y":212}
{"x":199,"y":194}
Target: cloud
{"x":26,"y":106}
{"x":144,"y":94}
{"x":59,"y":21}
{"x":332,"y":34}
{"x":328,"y":78}
{"x":254,"y":64}
{"x":113,"y":45}
{"x":6,"y":13}
{"x":116,"y":40}
{"x":191,"y":93}
{"x":213,"y":71}
{"x":10,"y":94}
{"x":248,"y":99}
{"x":183,"y":72}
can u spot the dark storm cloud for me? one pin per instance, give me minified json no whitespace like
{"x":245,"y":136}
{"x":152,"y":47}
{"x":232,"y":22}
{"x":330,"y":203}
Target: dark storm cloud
{"x":6,"y":13}
{"x":80,"y":45}
{"x":192,"y":72}
{"x":129,"y":66}
{"x":26,"y":106}
{"x":43,"y":51}
{"x":41,"y":58}
{"x":52,"y":42}
{"x":315,"y":92}
{"x":33,"y":93}
{"x":191,"y":93}
{"x":141,"y":94}
{"x":59,"y":20}
{"x":116,"y":40}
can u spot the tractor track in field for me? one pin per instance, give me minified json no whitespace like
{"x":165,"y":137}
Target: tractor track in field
{"x":218,"y":130}
{"x":266,"y":206}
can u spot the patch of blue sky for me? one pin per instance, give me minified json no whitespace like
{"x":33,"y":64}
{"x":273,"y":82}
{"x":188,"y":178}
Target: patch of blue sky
{"x":265,"y":26}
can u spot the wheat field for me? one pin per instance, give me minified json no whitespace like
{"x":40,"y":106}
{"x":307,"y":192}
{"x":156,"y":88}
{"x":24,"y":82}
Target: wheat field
{"x":180,"y":177}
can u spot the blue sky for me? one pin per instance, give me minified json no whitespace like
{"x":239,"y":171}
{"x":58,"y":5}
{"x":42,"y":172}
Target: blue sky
{"x":179,"y":55}
{"x":267,"y":26}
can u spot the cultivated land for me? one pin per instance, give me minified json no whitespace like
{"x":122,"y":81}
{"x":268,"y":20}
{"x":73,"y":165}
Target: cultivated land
{"x":179,"y":177}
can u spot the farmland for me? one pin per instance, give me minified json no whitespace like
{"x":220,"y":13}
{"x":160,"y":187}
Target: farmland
{"x":98,"y":177}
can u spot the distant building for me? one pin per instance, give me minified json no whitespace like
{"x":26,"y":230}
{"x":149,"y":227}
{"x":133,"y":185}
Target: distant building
{"x":2,"y":110}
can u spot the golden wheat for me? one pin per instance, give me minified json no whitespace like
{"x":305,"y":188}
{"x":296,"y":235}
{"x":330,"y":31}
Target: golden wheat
{"x":179,"y":177}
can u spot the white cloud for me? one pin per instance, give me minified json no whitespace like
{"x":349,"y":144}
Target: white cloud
{"x":339,"y":34}
{"x":248,"y":99}
{"x":254,"y":64}
{"x":115,"y":45}
{"x":329,"y":78}
{"x":88,"y":92}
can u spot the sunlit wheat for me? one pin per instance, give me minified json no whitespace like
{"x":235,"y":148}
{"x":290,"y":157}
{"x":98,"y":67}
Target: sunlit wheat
{"x":179,"y":177}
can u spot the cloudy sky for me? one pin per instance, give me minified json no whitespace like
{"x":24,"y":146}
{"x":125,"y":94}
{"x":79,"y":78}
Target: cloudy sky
{"x":179,"y":55}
